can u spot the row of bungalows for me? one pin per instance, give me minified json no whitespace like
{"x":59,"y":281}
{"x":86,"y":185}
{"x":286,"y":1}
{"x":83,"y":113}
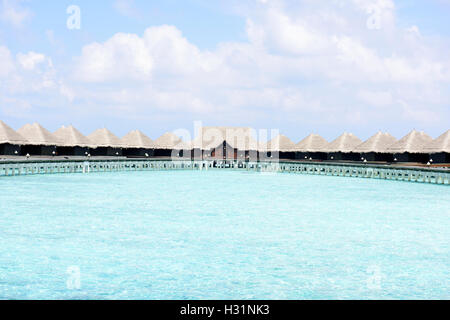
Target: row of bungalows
{"x":223,"y":143}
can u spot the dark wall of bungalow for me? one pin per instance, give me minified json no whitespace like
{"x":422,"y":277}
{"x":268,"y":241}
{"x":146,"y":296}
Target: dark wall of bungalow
{"x":376,"y":156}
{"x":441,"y":157}
{"x":7,"y":149}
{"x":137,"y":152}
{"x":311,"y":155}
{"x":412,"y":157}
{"x":72,"y":151}
{"x":287,"y":155}
{"x":106,"y":151}
{"x":163,"y":153}
{"x":38,"y":150}
{"x":345,"y":156}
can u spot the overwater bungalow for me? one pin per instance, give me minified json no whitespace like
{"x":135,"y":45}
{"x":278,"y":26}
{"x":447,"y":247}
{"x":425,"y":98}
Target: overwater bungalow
{"x":311,"y":148}
{"x":74,"y":143}
{"x":10,"y":141}
{"x":343,"y":148}
{"x":281,"y":147}
{"x":137,"y":144}
{"x":167,"y":145}
{"x":411,"y":148}
{"x":376,"y":147}
{"x":225,"y":143}
{"x":439,"y":149}
{"x":106,"y":143}
{"x":40,"y":141}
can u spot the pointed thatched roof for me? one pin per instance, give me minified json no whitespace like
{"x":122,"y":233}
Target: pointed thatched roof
{"x":440,"y":144}
{"x":185,"y":145}
{"x":237,"y":137}
{"x":136,"y":139}
{"x":312,"y":143}
{"x":167,"y":141}
{"x":379,"y":142}
{"x":105,"y":138}
{"x":35,"y":134}
{"x":8,"y":135}
{"x":413,"y":142}
{"x":280,"y":143}
{"x":344,"y":143}
{"x":71,"y":137}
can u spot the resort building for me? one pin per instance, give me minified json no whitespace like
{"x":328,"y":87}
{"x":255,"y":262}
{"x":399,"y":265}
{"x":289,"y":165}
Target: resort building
{"x":73,"y":142}
{"x":376,"y":147}
{"x":311,"y":147}
{"x":411,"y":148}
{"x":281,"y":147}
{"x":107,"y":144}
{"x":439,"y":149}
{"x":10,"y":141}
{"x":225,"y":143}
{"x":166,"y":144}
{"x":137,"y":144}
{"x":343,"y":148}
{"x":40,"y":141}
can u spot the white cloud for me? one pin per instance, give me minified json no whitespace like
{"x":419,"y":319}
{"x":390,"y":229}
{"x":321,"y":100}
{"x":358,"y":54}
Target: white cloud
{"x":303,"y":61}
{"x":12,"y":12}
{"x":30,"y":60}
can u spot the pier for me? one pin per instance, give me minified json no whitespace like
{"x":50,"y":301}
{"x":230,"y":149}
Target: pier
{"x":369,"y":171}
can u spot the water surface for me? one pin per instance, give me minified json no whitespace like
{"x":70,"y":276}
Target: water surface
{"x":222,"y":235}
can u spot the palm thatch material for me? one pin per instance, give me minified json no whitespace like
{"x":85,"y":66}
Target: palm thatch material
{"x":345,"y":143}
{"x":413,"y":142}
{"x":168,"y":141}
{"x":378,"y":143}
{"x":35,"y":134}
{"x":440,"y":144}
{"x":136,"y":139}
{"x":281,"y":143}
{"x":239,"y":138}
{"x":71,"y":137}
{"x":8,"y":135}
{"x":312,"y":143}
{"x":105,"y":138}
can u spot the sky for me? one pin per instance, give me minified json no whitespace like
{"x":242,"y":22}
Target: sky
{"x":300,"y":67}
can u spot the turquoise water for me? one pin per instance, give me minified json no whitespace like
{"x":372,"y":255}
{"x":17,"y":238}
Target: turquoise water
{"x":222,"y":235}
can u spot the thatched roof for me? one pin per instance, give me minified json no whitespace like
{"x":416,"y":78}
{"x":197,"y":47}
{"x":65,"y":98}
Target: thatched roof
{"x":8,"y":135}
{"x":413,"y":142}
{"x":35,"y":134}
{"x":280,"y":143}
{"x":379,"y":142}
{"x":71,"y":137}
{"x":312,"y":143}
{"x":136,"y":139}
{"x":440,"y":144}
{"x":344,"y":143}
{"x":237,"y":137}
{"x":105,"y":138}
{"x":167,"y":141}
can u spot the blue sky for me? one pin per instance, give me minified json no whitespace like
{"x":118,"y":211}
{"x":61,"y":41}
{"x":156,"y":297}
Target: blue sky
{"x":298,"y":66}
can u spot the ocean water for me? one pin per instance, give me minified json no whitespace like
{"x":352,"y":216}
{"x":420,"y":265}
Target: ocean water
{"x":222,"y":235}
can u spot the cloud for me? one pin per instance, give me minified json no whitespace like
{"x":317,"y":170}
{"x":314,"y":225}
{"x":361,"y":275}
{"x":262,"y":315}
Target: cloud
{"x":30,"y":60}
{"x":13,"y":13}
{"x":303,"y":62}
